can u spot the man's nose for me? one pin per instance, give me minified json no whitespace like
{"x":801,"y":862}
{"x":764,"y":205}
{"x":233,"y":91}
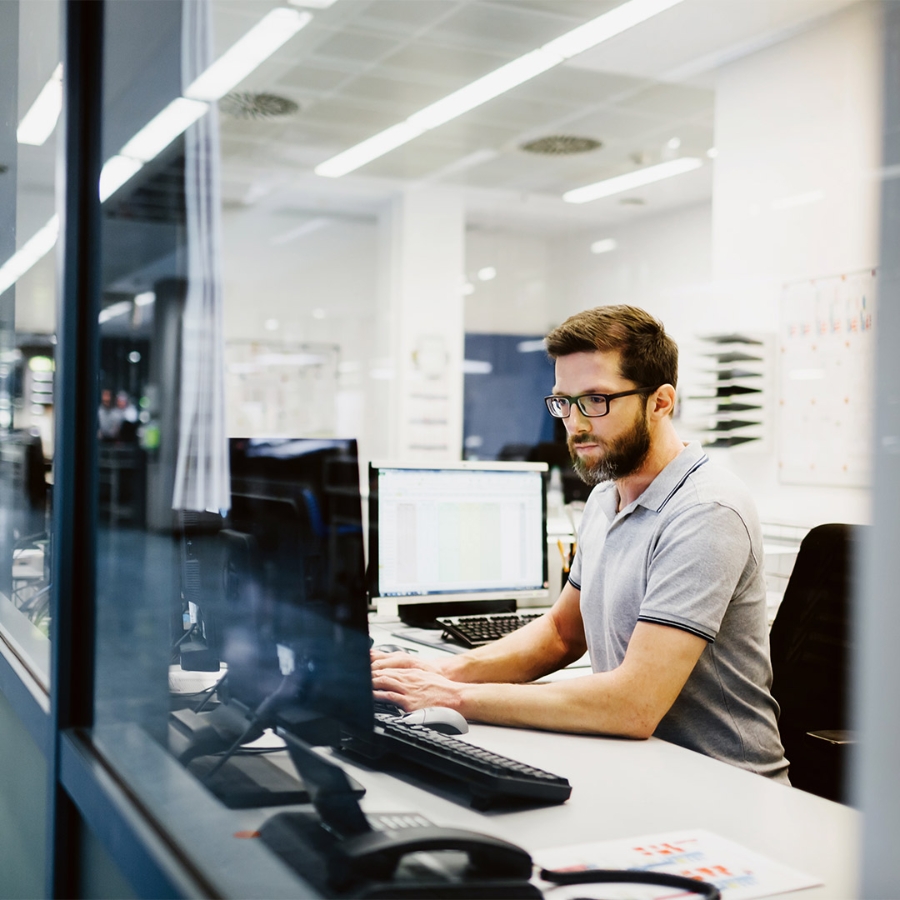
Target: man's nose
{"x":577,"y":422}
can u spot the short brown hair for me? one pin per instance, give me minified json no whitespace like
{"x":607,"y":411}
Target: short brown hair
{"x":648,"y":356}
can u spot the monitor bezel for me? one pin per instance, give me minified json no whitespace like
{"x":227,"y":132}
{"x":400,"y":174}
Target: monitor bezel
{"x":455,"y":597}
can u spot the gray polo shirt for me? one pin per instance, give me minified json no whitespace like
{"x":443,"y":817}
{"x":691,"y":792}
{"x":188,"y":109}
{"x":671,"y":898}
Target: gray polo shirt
{"x":688,"y":554}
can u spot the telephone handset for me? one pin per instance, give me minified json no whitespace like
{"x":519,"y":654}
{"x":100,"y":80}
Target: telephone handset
{"x":374,"y":864}
{"x":375,"y":854}
{"x":337,"y":850}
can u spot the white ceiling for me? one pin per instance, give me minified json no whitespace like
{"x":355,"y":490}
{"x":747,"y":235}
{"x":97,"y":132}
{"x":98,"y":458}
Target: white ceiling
{"x":364,"y":65}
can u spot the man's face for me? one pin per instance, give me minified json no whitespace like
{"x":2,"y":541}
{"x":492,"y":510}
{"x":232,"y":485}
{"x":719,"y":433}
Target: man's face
{"x":607,"y":447}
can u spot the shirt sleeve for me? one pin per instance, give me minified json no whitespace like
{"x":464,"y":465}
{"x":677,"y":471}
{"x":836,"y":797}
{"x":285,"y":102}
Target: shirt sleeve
{"x":696,"y":568}
{"x":575,"y":569}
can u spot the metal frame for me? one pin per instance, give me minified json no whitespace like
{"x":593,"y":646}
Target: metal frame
{"x":74,"y":501}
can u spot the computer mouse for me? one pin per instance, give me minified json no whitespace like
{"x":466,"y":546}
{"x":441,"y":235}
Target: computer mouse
{"x":438,"y":718}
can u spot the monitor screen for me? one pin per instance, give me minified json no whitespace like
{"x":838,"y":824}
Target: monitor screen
{"x":457,"y":535}
{"x":291,"y":604}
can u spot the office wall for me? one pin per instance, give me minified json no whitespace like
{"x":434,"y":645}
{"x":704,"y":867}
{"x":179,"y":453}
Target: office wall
{"x":798,"y":129}
{"x":521,"y":298}
{"x":661,"y":263}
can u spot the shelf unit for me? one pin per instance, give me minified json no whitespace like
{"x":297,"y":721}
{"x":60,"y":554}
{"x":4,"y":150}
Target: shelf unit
{"x":727,"y":398}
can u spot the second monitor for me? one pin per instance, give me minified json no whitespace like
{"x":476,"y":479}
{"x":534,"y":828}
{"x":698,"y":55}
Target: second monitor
{"x":457,"y":538}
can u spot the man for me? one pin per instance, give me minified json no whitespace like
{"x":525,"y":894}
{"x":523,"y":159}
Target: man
{"x":666,"y":593}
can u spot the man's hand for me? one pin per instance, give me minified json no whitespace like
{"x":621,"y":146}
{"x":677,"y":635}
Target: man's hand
{"x":411,"y":683}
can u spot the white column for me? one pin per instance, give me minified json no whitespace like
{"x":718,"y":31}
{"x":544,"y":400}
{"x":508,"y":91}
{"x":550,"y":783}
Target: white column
{"x":426,"y":324}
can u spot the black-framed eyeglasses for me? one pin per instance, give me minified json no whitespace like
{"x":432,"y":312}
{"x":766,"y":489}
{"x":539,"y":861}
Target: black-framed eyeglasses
{"x":592,"y":405}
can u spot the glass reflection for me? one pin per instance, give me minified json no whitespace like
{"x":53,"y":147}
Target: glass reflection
{"x":30,"y":103}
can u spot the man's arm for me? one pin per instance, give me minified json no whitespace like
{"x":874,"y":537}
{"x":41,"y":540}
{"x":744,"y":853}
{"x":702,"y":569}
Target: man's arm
{"x":629,"y":701}
{"x":540,"y":647}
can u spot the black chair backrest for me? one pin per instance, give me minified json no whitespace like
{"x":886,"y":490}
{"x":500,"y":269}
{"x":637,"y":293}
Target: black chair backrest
{"x":810,"y":637}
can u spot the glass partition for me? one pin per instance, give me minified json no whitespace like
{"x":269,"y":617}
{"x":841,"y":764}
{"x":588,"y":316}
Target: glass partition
{"x":261,"y":289}
{"x":31,"y":99}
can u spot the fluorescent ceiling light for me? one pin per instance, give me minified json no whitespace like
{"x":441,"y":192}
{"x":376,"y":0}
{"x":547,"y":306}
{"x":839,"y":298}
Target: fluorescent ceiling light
{"x":114,"y":310}
{"x":116,"y":171}
{"x":632,"y":180}
{"x":28,"y":254}
{"x":604,"y":246}
{"x":370,"y":149}
{"x":531,"y":346}
{"x":312,"y":4}
{"x":38,"y":123}
{"x":161,"y":130}
{"x":491,"y":85}
{"x":607,"y":26}
{"x":145,"y":298}
{"x":257,"y":45}
{"x":488,"y":273}
{"x":495,"y":83}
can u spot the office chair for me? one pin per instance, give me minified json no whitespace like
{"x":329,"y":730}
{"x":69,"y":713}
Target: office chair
{"x":810,"y":649}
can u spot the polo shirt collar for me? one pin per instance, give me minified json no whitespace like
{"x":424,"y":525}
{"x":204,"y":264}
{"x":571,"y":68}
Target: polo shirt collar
{"x":661,"y":489}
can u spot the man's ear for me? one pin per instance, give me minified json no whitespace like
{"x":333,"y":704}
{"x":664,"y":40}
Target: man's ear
{"x":663,"y":401}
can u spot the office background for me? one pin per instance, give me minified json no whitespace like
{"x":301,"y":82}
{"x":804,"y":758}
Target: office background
{"x":342,"y":298}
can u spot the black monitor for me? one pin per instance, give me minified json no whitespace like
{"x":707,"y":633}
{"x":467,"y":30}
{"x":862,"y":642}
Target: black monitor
{"x":457,"y":538}
{"x":279,"y":581}
{"x":292,"y":609}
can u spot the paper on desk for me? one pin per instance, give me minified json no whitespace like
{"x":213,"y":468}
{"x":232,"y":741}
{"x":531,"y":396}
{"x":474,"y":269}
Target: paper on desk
{"x":739,"y":873}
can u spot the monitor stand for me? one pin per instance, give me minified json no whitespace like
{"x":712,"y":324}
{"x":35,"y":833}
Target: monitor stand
{"x":245,"y":780}
{"x":424,"y":615}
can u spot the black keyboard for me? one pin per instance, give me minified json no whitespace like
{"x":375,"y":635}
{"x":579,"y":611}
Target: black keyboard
{"x":489,"y":777}
{"x":475,"y":631}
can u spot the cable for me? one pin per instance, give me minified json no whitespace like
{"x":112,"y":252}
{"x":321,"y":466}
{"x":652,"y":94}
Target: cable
{"x":256,"y":723}
{"x":629,"y":876}
{"x":211,"y":691}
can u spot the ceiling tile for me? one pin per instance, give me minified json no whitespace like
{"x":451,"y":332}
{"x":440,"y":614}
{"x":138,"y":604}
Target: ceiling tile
{"x":313,"y":78}
{"x":401,"y":94}
{"x":672,"y":101}
{"x":355,"y":48}
{"x":505,"y":27}
{"x":406,"y":17}
{"x":579,"y":10}
{"x":454,"y":66}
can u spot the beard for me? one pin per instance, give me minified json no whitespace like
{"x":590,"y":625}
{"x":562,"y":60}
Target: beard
{"x":622,"y":457}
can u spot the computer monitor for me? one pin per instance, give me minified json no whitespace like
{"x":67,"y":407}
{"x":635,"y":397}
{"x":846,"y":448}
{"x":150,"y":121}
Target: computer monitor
{"x":457,"y":538}
{"x":284,"y":586}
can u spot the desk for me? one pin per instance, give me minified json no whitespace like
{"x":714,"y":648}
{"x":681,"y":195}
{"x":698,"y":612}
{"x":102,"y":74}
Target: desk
{"x":623,"y":788}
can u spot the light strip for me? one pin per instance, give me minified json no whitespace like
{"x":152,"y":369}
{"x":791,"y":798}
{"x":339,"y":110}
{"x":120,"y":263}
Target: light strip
{"x":114,"y":311}
{"x":270,"y":33}
{"x":163,"y":128}
{"x":28,"y":254}
{"x":632,"y":180}
{"x":116,"y":171}
{"x":495,"y":83}
{"x":257,"y":45}
{"x":38,"y":123}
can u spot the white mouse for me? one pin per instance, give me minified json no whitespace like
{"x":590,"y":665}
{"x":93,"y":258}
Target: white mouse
{"x":438,"y":718}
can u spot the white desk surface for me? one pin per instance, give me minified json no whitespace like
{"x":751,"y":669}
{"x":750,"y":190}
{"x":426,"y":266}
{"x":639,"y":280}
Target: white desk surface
{"x":624,"y":788}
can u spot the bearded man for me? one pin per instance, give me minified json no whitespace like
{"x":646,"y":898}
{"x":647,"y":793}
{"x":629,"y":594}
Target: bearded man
{"x":666,"y":593}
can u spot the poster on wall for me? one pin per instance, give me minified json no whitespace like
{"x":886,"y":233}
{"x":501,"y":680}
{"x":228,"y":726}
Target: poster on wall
{"x":826,"y":355}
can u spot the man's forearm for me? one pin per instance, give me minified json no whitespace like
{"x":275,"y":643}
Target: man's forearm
{"x":591,"y":704}
{"x":529,"y":653}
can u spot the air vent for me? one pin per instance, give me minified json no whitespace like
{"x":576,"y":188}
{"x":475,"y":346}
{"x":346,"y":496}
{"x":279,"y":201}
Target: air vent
{"x":561,"y":145}
{"x":244,"y":105}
